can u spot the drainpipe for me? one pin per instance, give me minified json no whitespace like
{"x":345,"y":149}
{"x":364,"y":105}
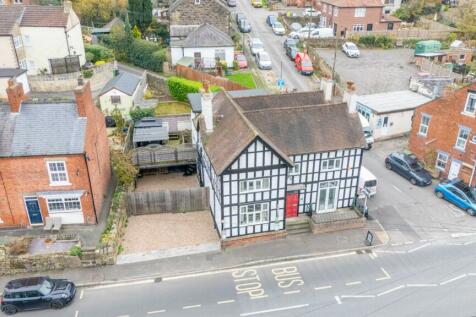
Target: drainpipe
{"x":472,"y":173}
{"x":86,"y":159}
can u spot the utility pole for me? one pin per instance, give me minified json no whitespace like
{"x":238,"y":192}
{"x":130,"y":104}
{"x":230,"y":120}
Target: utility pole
{"x":334,"y":67}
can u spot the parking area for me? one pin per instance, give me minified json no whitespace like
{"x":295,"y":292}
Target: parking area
{"x":157,"y":181}
{"x":410,"y":213}
{"x":376,"y":70}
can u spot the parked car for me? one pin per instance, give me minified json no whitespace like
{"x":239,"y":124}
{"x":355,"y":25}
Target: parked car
{"x":257,"y":3}
{"x":311,"y":12}
{"x":458,"y":193}
{"x":263,"y":60}
{"x":278,"y":28}
{"x":291,"y":52}
{"x":231,"y":3}
{"x":256,"y":45}
{"x":350,"y":49}
{"x":303,"y":64}
{"x":409,"y":167}
{"x":245,"y":26}
{"x":306,"y":29}
{"x":270,"y":19}
{"x":318,"y":33}
{"x":238,"y":17}
{"x":289,"y":41}
{"x":295,"y":26}
{"x":36,"y":293}
{"x":241,"y":60}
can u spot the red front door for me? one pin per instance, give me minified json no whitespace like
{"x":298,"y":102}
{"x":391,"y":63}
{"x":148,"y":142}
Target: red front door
{"x":292,"y":202}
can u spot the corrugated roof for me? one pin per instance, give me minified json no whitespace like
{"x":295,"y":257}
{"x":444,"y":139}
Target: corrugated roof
{"x":195,"y":99}
{"x":207,"y":35}
{"x":355,"y":3}
{"x":41,"y":129}
{"x":125,"y":82}
{"x":9,"y":15}
{"x":11,"y":72}
{"x":392,"y":101}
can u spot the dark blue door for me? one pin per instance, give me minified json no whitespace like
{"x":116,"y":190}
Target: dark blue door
{"x":34,"y":212}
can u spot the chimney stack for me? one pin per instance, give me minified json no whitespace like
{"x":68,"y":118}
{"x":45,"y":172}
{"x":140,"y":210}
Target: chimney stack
{"x":84,"y":97}
{"x":350,"y":97}
{"x":67,"y":6}
{"x":207,"y":107}
{"x":15,"y":95}
{"x":327,"y":86}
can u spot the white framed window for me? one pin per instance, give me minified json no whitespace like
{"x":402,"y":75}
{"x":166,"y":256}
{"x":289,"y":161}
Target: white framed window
{"x":336,"y":11}
{"x":331,"y":164}
{"x":424,"y":125}
{"x":295,"y":169}
{"x":463,"y":135}
{"x":58,"y":173}
{"x":254,"y":214}
{"x":17,"y":41}
{"x":23,"y":64}
{"x":116,"y":100}
{"x":470,"y":106}
{"x":359,"y":12}
{"x":441,"y":161}
{"x":357,"y":27}
{"x":254,"y":185}
{"x":61,"y":204}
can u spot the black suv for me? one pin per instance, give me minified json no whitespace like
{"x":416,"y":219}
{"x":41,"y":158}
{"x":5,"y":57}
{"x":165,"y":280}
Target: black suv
{"x":36,"y":293}
{"x":409,"y":167}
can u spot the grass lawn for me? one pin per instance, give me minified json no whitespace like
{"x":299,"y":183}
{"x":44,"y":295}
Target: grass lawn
{"x":171,"y":107}
{"x":243,"y":78}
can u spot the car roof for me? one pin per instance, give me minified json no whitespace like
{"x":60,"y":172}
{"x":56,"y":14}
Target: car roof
{"x":31,"y":283}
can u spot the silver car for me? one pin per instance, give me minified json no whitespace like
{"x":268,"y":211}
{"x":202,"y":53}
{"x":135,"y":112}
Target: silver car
{"x":263,"y":60}
{"x":256,"y":45}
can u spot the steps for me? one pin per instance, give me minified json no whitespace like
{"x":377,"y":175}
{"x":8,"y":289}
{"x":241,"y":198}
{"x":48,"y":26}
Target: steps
{"x":298,"y":225}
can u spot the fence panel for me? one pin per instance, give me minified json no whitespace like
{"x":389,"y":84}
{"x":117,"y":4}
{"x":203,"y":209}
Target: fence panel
{"x":180,"y":200}
{"x":192,"y":74}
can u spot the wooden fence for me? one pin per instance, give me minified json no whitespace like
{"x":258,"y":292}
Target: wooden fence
{"x":180,"y":200}
{"x":192,"y":74}
{"x":162,"y":156}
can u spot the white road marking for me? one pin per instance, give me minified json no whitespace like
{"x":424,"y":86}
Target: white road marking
{"x":421,"y":285}
{"x":453,"y":279}
{"x":456,"y":211}
{"x":76,"y":313}
{"x":148,"y":281}
{"x":156,"y":312}
{"x":226,"y":301}
{"x":396,"y":188}
{"x":357,"y":296}
{"x":462,"y":234}
{"x":469,"y":242}
{"x":292,"y":292}
{"x":273,"y":310}
{"x":353,"y":283}
{"x":423,"y":240}
{"x":259,"y":297}
{"x":418,"y":248}
{"x":391,"y":290}
{"x":81,"y":294}
{"x":338,"y":300}
{"x":409,"y":242}
{"x":371,"y":255}
{"x":322,"y":287}
{"x":191,"y":306}
{"x":386,"y":277}
{"x":392,"y":252}
{"x":396,"y":244}
{"x":471,"y":274}
{"x":123,"y":316}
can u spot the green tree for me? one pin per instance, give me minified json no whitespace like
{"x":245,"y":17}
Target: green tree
{"x":126,"y":172}
{"x":136,"y":32}
{"x":120,"y":122}
{"x":467,"y":22}
{"x":140,"y":12}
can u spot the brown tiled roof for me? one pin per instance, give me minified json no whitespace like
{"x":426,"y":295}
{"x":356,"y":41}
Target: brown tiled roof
{"x":44,"y":16}
{"x":354,"y":3}
{"x":290,"y":124}
{"x":9,"y":15}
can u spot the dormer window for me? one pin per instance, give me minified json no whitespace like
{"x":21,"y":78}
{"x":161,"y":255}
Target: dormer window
{"x":470,"y":106}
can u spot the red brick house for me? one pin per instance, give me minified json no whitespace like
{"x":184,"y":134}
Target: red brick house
{"x":355,"y":16}
{"x":54,"y":159}
{"x":444,"y":130}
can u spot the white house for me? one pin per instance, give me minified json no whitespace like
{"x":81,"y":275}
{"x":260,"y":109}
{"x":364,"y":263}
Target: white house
{"x":267,"y":159}
{"x":389,"y":113}
{"x":122,"y":92}
{"x":205,"y":44}
{"x":41,"y":39}
{"x":17,"y":74}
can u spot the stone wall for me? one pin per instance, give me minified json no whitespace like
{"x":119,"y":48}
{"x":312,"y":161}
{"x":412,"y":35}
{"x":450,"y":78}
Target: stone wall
{"x":157,"y":83}
{"x":337,"y":225}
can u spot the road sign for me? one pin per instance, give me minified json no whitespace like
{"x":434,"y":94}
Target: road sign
{"x":369,"y":238}
{"x":281,"y":83}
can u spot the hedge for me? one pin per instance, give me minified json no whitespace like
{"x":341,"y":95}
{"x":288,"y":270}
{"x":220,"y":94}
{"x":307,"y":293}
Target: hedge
{"x":139,"y":113}
{"x":146,"y":55}
{"x":96,"y":53}
{"x":180,"y":87}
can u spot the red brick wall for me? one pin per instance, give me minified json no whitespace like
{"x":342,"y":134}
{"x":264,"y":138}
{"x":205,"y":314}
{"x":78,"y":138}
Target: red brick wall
{"x":443,"y":129}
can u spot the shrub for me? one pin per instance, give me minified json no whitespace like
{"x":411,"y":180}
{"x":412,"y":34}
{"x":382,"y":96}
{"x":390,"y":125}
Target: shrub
{"x":147,"y":55}
{"x":139,"y":113}
{"x":90,"y":57}
{"x":384,"y":41}
{"x":367,"y":40}
{"x":235,"y":65}
{"x":87,"y":73}
{"x":180,"y":87}
{"x":20,"y":246}
{"x":100,"y":63}
{"x":125,"y":171}
{"x":98,"y":53}
{"x":75,"y":251}
{"x":215,"y":88}
{"x":148,"y":94}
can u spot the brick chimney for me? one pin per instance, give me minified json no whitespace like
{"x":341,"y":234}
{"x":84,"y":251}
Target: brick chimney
{"x":207,"y":107}
{"x":15,"y":95}
{"x":67,"y":6}
{"x":84,"y":98}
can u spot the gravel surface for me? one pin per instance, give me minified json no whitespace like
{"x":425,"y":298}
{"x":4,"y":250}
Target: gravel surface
{"x":166,"y":181}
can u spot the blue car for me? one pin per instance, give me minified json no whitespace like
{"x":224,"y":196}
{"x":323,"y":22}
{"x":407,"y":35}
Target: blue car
{"x":458,"y":193}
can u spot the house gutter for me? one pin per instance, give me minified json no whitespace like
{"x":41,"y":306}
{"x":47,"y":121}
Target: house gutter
{"x":90,"y":187}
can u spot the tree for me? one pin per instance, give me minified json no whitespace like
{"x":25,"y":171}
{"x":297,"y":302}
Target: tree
{"x":140,"y":12}
{"x":119,"y":119}
{"x":467,"y":22}
{"x":125,"y":171}
{"x":93,"y":12}
{"x":136,"y":32}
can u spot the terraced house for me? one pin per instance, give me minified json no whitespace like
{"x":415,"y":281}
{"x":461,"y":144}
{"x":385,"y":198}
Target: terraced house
{"x":270,"y":158}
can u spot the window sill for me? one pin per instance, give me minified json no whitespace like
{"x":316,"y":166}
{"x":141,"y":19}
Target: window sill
{"x":468,"y":114}
{"x":422,"y":135}
{"x":459,"y":149}
{"x":60,"y":184}
{"x":254,"y":191}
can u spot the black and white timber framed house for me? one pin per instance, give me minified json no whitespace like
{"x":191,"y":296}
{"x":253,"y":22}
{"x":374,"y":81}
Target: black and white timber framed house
{"x":272,"y":157}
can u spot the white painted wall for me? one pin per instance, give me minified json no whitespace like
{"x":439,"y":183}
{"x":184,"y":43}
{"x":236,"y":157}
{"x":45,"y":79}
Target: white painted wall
{"x":125,"y":106}
{"x":207,"y":53}
{"x":76,"y":45}
{"x":7,"y":56}
{"x":398,"y":123}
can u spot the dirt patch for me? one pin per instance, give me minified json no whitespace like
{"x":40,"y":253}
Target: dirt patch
{"x":165,"y":231}
{"x":158,"y":182}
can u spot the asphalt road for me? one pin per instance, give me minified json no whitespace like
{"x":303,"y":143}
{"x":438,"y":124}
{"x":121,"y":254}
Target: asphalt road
{"x":273,"y":44}
{"x":422,"y":279}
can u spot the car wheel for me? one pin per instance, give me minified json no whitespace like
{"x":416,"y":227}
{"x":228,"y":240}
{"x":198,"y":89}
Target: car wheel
{"x":470,"y":212}
{"x":413,"y":181}
{"x":388,"y":166}
{"x":439,"y":195}
{"x":10,"y":310}
{"x":57,"y":304}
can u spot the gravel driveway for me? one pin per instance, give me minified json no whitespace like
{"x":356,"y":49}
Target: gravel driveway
{"x":376,"y":70}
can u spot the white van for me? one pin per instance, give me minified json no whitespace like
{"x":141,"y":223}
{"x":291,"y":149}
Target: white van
{"x":318,"y":33}
{"x":367,"y":180}
{"x":369,"y":139}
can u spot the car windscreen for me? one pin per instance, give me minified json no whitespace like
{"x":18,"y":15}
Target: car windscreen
{"x":264,"y":57}
{"x":257,"y":45}
{"x":351,"y":46}
{"x":46,"y":287}
{"x":415,"y":165}
{"x":277,"y":25}
{"x":371,"y":183}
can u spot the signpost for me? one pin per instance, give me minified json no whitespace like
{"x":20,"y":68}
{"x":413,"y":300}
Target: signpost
{"x":369,"y":238}
{"x":281,"y":84}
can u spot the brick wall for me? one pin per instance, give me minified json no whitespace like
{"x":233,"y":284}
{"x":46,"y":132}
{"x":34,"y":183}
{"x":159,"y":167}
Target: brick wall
{"x":207,"y":11}
{"x":249,"y":239}
{"x":445,"y":121}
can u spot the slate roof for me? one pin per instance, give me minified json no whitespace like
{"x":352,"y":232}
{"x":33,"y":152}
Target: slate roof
{"x":125,"y":82}
{"x":355,"y":3}
{"x":148,"y":134}
{"x":9,"y":15}
{"x":31,"y":15}
{"x":175,"y":4}
{"x":195,"y":99}
{"x":394,"y":101}
{"x":292,"y":126}
{"x":41,"y":129}
{"x":11,"y":72}
{"x":181,"y":31}
{"x":206,"y":35}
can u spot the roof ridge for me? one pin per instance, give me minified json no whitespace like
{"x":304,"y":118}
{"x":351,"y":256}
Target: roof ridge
{"x":290,"y":108}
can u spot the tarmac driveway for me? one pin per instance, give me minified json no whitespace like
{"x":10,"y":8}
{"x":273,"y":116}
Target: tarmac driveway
{"x":376,"y":70}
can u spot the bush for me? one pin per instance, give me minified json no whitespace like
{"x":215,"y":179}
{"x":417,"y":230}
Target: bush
{"x":75,"y":251}
{"x":96,"y":53}
{"x":148,"y":94}
{"x":87,"y":73}
{"x":90,"y":57}
{"x":124,"y":170}
{"x":384,"y":41}
{"x":180,"y":87}
{"x":139,"y":113}
{"x":100,"y":63}
{"x":235,"y":65}
{"x":146,"y":55}
{"x":367,"y":40}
